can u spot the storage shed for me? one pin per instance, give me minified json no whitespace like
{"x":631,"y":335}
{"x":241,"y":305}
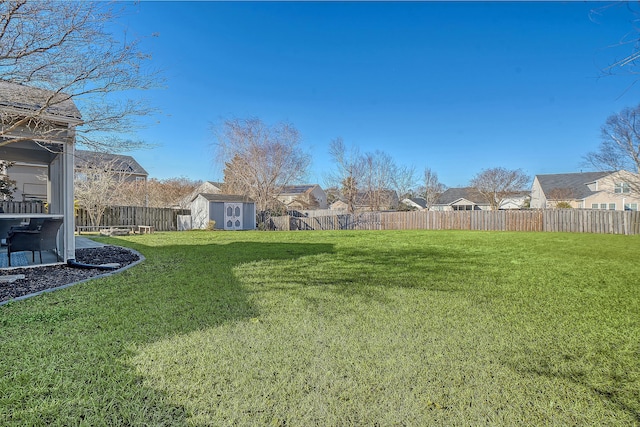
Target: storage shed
{"x":230,"y":212}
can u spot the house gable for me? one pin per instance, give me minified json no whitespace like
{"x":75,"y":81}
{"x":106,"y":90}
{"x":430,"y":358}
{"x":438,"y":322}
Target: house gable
{"x":461,"y":198}
{"x":607,"y":190}
{"x":304,"y":196}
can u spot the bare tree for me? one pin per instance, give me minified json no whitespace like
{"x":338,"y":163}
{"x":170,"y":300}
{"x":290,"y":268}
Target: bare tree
{"x":561,"y":198}
{"x":348,"y":173}
{"x":372,"y":179}
{"x":620,"y":146}
{"x":57,"y":52}
{"x":403,"y":180}
{"x":497,"y":184}
{"x":378,"y":168}
{"x":627,"y":62}
{"x":98,"y":184}
{"x":171,"y":192}
{"x":433,"y":188}
{"x":385,"y":181}
{"x":259,"y":160}
{"x":157,"y":193}
{"x":132,"y":193}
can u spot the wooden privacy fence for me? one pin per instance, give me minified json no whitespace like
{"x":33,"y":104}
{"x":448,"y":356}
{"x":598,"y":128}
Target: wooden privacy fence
{"x":22,"y":207}
{"x":161,"y":219}
{"x":568,"y":220}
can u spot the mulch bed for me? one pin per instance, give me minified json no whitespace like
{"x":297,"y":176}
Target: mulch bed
{"x":41,"y":278}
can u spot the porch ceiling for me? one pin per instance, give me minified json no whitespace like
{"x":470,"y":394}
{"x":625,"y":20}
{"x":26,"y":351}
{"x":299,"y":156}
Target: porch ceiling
{"x":30,"y":151}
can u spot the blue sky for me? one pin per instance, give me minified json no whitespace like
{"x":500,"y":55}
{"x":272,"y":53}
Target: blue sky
{"x":454,"y":86}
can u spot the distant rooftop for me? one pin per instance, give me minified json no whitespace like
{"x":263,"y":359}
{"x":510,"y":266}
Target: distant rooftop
{"x":123,"y":163}
{"x":297,"y":189}
{"x":451,"y":195}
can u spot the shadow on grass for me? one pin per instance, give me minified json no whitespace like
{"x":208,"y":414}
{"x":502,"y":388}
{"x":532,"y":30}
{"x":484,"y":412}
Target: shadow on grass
{"x":356,"y":270}
{"x":64,"y":354}
{"x":617,"y":388}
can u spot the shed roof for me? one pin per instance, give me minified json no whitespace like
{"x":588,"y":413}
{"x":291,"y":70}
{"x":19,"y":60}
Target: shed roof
{"x":27,"y":98}
{"x":576,"y":183}
{"x":225,"y":198}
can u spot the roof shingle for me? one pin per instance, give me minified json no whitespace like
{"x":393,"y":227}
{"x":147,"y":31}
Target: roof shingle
{"x":574,"y":183}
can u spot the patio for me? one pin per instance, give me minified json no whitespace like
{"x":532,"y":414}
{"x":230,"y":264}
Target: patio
{"x":24,"y":259}
{"x":38,"y":127}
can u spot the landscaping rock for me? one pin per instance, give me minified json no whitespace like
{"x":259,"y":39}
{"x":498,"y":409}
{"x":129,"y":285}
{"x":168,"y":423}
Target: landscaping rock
{"x":36,"y":279}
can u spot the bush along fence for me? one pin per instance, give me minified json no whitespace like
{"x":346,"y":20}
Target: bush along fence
{"x":554,"y":220}
{"x":161,"y":219}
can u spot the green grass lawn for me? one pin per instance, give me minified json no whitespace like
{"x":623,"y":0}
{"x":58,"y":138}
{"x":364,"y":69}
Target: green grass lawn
{"x":415,"y":328}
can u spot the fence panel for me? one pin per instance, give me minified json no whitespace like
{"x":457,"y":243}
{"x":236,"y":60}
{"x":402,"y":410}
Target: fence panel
{"x":551,"y":220}
{"x":161,"y":219}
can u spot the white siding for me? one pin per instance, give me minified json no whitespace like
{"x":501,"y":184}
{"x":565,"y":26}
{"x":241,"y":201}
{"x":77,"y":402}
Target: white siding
{"x":200,"y":213}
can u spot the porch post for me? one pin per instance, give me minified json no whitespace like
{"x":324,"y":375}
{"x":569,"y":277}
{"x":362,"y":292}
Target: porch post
{"x":61,"y":198}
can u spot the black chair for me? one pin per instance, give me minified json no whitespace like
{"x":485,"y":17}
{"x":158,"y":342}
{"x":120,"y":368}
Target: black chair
{"x":34,"y":224}
{"x":6,"y":225}
{"x":35,"y":240}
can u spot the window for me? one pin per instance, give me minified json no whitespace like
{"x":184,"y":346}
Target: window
{"x":630,"y":206}
{"x":462,"y":207}
{"x":604,"y":206}
{"x":622,"y":188}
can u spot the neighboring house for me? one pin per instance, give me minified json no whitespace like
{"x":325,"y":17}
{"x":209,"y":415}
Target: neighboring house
{"x":519,"y":200}
{"x":461,"y":199}
{"x":417,"y":203}
{"x":207,"y":187}
{"x":611,"y":190}
{"x":230,"y":212}
{"x":338,"y":205}
{"x":370,"y":201}
{"x":470,"y":199}
{"x":303,"y":197}
{"x":119,"y":163}
{"x":31,"y":178}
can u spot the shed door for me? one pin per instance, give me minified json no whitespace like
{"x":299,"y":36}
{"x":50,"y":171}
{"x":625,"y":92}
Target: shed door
{"x":233,"y":216}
